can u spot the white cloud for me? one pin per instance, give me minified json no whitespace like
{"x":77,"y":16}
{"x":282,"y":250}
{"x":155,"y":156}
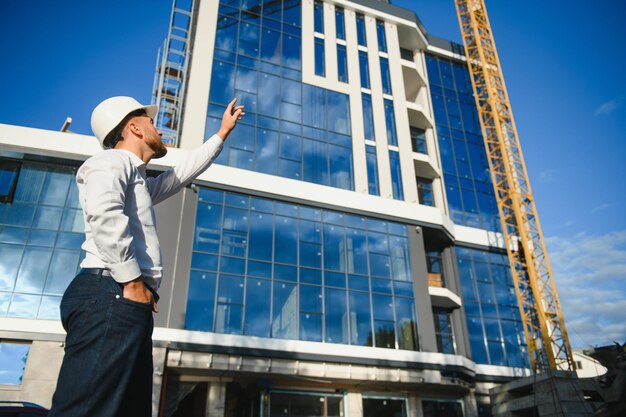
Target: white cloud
{"x":607,"y":107}
{"x":603,"y":206}
{"x":590,"y":275}
{"x":547,"y":175}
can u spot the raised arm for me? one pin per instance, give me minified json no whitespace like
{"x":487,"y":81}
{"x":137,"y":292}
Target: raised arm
{"x":197,"y":160}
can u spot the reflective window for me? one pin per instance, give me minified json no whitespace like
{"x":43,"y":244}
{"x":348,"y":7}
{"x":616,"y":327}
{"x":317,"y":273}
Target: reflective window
{"x":491,"y":309}
{"x":406,"y":54}
{"x":41,"y":231}
{"x":307,"y":404}
{"x":292,"y":130}
{"x":368,"y":116}
{"x":340,"y":23}
{"x":360,"y":29}
{"x":342,"y":63}
{"x":425,"y":191}
{"x":339,"y":115}
{"x":257,"y":309}
{"x":318,"y":12}
{"x":364,"y":69}
{"x":442,"y":408}
{"x":8,"y":179}
{"x":443,"y":330}
{"x":386,"y":76}
{"x":271,"y":269}
{"x":390,"y":121}
{"x":319,"y":57}
{"x":13,"y":358}
{"x":469,"y":190}
{"x":396,"y":175}
{"x":376,"y":407}
{"x":382,"y":38}
{"x":406,"y":323}
{"x":418,"y":140}
{"x":372,"y":170}
{"x":337,"y":330}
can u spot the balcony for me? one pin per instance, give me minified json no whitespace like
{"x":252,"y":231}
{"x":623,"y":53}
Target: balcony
{"x":443,"y":297}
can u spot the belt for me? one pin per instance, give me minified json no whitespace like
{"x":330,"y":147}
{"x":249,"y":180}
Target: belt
{"x":102,"y":272}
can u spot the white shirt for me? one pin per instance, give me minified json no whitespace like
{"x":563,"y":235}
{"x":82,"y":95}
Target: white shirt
{"x":117,"y":200}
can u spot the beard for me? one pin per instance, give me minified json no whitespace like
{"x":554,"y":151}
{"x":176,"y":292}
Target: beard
{"x":160,"y":150}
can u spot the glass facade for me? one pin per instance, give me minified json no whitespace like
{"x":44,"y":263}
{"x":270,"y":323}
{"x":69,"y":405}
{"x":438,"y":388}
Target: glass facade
{"x":271,"y":269}
{"x":291,"y":129}
{"x":469,"y":189}
{"x":41,"y":231}
{"x":493,"y":320}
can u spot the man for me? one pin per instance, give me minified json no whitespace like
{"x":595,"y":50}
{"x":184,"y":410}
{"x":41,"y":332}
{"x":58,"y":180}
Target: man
{"x":107,"y":308}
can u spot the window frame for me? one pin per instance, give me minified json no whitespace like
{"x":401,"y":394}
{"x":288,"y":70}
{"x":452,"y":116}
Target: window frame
{"x":10,"y":165}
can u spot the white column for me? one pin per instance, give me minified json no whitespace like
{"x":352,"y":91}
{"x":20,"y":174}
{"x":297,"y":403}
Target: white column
{"x":355,"y":404}
{"x":378,"y":108}
{"x":199,"y":81}
{"x":216,"y":398}
{"x":308,"y":41}
{"x":400,"y":111}
{"x":356,"y":108}
{"x":330,"y":42}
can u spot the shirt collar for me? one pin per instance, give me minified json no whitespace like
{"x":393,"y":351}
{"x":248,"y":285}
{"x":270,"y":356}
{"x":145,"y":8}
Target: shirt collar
{"x":134,"y":158}
{"x":136,"y":161}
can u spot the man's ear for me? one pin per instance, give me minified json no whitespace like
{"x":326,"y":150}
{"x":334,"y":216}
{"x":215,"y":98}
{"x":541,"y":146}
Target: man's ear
{"x":134,"y":128}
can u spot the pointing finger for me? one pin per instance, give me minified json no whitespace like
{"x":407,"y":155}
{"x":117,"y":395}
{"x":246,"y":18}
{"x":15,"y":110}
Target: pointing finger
{"x":231,"y":105}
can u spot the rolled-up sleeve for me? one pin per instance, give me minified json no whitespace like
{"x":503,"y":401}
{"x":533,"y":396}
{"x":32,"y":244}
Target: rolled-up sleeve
{"x":104,"y":183}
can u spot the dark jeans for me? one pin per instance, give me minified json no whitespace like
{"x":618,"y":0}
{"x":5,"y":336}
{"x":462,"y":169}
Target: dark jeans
{"x":107,"y":367}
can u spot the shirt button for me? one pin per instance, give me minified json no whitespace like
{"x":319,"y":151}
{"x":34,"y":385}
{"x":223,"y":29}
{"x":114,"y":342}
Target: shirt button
{"x":117,"y":296}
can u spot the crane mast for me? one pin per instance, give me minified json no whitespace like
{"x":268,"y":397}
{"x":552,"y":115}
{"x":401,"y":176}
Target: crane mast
{"x":542,"y":319}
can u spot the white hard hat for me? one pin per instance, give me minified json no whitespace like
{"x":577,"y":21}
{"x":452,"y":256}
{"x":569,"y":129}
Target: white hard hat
{"x":108,"y":114}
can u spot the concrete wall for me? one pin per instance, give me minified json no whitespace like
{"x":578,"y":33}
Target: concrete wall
{"x":40,"y":375}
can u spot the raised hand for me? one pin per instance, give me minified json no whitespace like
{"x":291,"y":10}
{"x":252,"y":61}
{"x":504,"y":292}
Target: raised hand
{"x":232,"y":114}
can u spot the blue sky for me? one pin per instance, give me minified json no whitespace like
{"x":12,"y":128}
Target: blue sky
{"x":563,"y":65}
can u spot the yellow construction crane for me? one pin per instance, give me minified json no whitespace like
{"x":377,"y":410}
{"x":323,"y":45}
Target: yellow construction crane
{"x":544,"y":327}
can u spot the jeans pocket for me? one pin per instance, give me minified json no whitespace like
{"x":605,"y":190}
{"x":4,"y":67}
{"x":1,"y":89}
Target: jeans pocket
{"x":135,"y":303}
{"x":118,"y":289}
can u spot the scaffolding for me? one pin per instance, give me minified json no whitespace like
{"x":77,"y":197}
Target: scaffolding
{"x":171,"y":71}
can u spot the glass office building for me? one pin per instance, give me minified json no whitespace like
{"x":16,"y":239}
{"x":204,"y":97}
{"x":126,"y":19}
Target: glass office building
{"x":337,"y":259}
